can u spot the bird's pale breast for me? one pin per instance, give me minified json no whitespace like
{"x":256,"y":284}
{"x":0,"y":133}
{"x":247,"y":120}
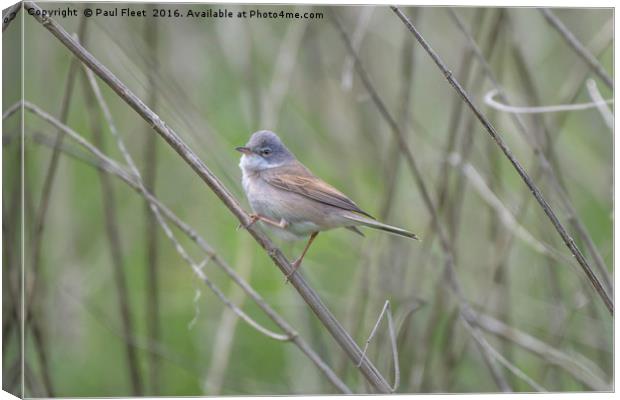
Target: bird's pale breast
{"x":303,"y":215}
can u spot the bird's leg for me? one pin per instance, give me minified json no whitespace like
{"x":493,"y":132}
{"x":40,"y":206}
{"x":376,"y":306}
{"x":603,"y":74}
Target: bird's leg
{"x":257,"y":217}
{"x":297,"y":262}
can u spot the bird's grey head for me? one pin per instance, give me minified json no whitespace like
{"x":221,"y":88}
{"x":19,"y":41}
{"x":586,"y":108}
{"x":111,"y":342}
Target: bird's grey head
{"x":264,"y":150}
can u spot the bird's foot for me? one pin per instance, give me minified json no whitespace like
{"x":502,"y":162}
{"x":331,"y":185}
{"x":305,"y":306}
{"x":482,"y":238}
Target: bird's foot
{"x":282,"y":224}
{"x":253,"y":219}
{"x":297,"y":262}
{"x":295,"y":265}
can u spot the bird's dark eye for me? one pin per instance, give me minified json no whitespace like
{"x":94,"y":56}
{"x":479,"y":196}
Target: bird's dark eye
{"x":265,"y":152}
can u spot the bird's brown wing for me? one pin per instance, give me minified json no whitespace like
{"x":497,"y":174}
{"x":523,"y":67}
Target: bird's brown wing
{"x":299,"y":180}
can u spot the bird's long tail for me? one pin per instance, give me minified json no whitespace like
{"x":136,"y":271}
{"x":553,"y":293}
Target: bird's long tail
{"x":361,"y":220}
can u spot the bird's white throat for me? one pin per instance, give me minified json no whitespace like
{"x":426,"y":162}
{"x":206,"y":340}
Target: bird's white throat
{"x":254,"y":163}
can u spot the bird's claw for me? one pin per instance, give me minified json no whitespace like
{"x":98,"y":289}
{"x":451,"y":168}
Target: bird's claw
{"x":253,"y":219}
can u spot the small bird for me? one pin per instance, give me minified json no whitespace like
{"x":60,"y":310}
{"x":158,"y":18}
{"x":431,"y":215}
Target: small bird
{"x":287,"y":197}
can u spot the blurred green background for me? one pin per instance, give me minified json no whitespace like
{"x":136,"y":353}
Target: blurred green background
{"x":215,"y":81}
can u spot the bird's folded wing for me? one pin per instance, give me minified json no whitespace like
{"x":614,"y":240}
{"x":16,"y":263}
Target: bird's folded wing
{"x":313,"y":188}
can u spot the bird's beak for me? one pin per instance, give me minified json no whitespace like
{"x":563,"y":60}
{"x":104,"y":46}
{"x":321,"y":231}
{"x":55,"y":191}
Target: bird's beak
{"x":243,"y":150}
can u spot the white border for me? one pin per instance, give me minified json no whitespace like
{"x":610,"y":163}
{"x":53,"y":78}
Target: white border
{"x":482,"y":3}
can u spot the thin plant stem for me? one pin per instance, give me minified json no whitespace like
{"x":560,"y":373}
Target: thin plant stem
{"x":358,"y":290}
{"x":144,"y":344}
{"x":41,"y":216}
{"x":408,"y":68}
{"x":467,"y":141}
{"x":283,"y":71}
{"x":40,"y":342}
{"x":535,"y":385}
{"x":223,"y":342}
{"x":503,"y":213}
{"x":578,"y":366}
{"x":573,"y":84}
{"x":346,"y":80}
{"x":577,"y":46}
{"x":465,"y":67}
{"x":12,"y":110}
{"x":153,"y":317}
{"x":601,"y":104}
{"x":52,"y":168}
{"x":489,"y":99}
{"x":12,"y":259}
{"x":386,"y":309}
{"x":110,"y":217}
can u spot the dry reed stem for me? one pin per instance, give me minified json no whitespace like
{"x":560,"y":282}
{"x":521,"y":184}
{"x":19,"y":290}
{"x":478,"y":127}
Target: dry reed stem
{"x":153,"y":315}
{"x":282,"y":73}
{"x":39,"y":223}
{"x":10,"y":231}
{"x":467,"y":141}
{"x":578,"y":366}
{"x":535,"y":385}
{"x":577,"y":46}
{"x":502,"y":212}
{"x":110,"y":219}
{"x":392,"y":163}
{"x":601,"y":104}
{"x":489,"y":100}
{"x":388,"y":310}
{"x":346,"y":80}
{"x":224,"y":338}
{"x":465,"y":68}
{"x":577,"y":73}
{"x":144,"y":344}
